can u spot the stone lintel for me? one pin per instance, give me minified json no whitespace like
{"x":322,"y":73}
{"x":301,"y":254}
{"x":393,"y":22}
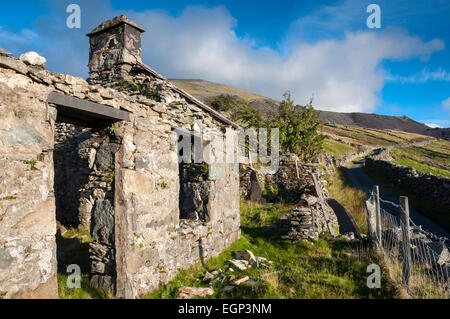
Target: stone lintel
{"x":77,"y":111}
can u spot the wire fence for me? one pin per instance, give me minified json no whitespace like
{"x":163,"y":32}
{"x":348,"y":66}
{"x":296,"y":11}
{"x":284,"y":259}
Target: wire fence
{"x":418,"y":260}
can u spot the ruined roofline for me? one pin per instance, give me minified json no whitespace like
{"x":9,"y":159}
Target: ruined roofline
{"x":188,"y":96}
{"x":122,"y":19}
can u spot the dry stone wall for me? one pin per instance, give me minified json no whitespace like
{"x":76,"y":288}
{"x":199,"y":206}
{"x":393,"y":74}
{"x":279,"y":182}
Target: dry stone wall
{"x":432,"y":187}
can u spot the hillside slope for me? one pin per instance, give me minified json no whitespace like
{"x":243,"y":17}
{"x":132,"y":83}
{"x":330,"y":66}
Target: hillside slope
{"x":205,"y":89}
{"x":382,"y":122}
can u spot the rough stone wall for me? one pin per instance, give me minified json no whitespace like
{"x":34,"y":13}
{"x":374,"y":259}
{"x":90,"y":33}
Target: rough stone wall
{"x":27,"y":202}
{"x":434,"y":188}
{"x":289,"y":186}
{"x":157,"y":244}
{"x":149,"y":243}
{"x":311,"y":216}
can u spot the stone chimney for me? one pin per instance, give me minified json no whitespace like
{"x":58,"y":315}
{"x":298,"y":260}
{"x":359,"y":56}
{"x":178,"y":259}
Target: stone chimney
{"x":115,"y":46}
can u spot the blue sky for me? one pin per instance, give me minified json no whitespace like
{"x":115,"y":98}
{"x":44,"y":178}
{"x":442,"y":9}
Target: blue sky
{"x":308,"y":47}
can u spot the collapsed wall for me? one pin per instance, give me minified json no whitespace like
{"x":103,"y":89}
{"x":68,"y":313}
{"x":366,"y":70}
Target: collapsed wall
{"x":293,"y":183}
{"x":130,"y":183}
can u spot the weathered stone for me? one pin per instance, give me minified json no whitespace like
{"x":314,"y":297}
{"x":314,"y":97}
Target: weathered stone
{"x":103,"y":222}
{"x":42,"y":220}
{"x":4,"y":52}
{"x":240,"y":280}
{"x":142,"y":257}
{"x":208,"y":276}
{"x":142,"y":163}
{"x":137,"y":182}
{"x":98,"y":267}
{"x":23,"y":135}
{"x":239,"y":264}
{"x":105,"y":283}
{"x":246,"y":255}
{"x":13,"y":64}
{"x":32,"y":58}
{"x":5,"y":258}
{"x":190,"y":292}
{"x":217,"y":279}
{"x":310,"y":200}
{"x":105,"y":156}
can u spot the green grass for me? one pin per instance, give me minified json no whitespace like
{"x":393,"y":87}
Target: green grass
{"x":351,"y":198}
{"x":430,"y":208}
{"x":337,"y":149}
{"x":424,"y":168}
{"x":433,"y":158}
{"x":85,"y":292}
{"x":324,"y":269}
{"x":73,"y":248}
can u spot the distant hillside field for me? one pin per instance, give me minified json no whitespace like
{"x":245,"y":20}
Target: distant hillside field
{"x":204,"y":90}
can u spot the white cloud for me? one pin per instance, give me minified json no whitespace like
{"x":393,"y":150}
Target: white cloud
{"x":433,"y":125}
{"x":446,"y":104}
{"x":343,"y":73}
{"x":422,"y":77}
{"x":12,"y":38}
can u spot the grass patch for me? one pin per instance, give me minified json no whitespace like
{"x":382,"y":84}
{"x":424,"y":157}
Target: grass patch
{"x":351,"y":198}
{"x":424,"y":168}
{"x":430,"y":208}
{"x":73,"y":248}
{"x":337,"y":149}
{"x":324,"y":269}
{"x":433,"y":158}
{"x":86,"y":291}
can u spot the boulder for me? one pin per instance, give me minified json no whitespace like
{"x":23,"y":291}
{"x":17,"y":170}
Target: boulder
{"x":190,"y":292}
{"x":239,"y":264}
{"x":208,"y":276}
{"x":245,"y":255}
{"x":240,"y":280}
{"x":32,"y":58}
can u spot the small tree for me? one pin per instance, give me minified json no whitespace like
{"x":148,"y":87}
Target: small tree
{"x":299,"y":129}
{"x":237,"y":109}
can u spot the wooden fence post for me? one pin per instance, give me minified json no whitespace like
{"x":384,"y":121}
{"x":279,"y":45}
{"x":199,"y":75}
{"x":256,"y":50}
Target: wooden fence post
{"x":404,"y":217}
{"x":376,"y":192}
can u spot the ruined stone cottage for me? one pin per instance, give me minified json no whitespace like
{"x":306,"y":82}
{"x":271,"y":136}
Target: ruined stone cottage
{"x":103,"y":155}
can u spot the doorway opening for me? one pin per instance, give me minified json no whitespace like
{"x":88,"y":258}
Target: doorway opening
{"x":84,"y":171}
